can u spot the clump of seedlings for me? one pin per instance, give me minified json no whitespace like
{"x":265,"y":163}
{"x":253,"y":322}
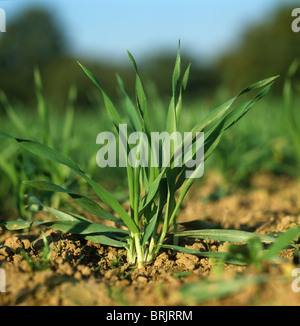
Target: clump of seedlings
{"x":156,"y":191}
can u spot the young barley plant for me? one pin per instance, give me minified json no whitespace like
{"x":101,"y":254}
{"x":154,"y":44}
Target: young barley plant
{"x":155,"y":192}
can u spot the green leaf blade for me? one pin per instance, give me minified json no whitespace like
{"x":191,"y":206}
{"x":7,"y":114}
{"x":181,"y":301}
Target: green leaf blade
{"x":224,"y":235}
{"x":283,"y":241}
{"x":52,"y":155}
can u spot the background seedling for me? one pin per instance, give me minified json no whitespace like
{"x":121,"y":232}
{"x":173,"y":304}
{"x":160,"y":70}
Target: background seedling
{"x":21,"y":168}
{"x":251,"y":254}
{"x":291,"y":91}
{"x":42,"y":262}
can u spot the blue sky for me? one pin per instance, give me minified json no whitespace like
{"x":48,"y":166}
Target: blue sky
{"x":98,"y":28}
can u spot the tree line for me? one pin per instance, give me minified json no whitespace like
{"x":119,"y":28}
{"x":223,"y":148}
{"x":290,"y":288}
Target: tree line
{"x":35,"y":40}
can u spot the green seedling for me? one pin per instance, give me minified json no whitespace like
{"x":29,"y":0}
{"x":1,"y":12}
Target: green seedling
{"x":182,"y":274}
{"x":253,"y":253}
{"x":43,"y":262}
{"x":155,"y":193}
{"x":205,"y":290}
{"x":113,"y":263}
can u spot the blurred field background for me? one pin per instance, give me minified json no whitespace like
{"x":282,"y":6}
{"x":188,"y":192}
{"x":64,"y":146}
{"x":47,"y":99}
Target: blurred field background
{"x":45,"y":96}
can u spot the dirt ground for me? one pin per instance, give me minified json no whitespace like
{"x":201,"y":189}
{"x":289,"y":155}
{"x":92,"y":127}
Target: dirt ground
{"x":84,"y":273}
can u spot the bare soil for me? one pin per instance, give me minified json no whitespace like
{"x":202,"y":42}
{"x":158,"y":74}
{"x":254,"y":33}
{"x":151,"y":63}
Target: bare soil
{"x":84,"y":273}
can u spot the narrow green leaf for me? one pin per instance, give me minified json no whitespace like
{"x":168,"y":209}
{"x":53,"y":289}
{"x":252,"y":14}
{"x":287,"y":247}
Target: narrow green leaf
{"x":241,"y":110}
{"x":150,"y":227}
{"x":78,"y":225}
{"x":84,"y":202}
{"x":215,"y":128}
{"x":223,"y":256}
{"x":51,"y":154}
{"x":84,"y":228}
{"x":217,"y":113}
{"x":171,"y":123}
{"x":69,"y":119}
{"x":114,"y":115}
{"x":182,"y":89}
{"x":111,"y":110}
{"x":90,"y":231}
{"x":186,"y":77}
{"x":176,"y":73}
{"x":13,"y":116}
{"x":19,"y":225}
{"x":141,"y":97}
{"x":205,"y":290}
{"x":6,"y":166}
{"x":283,"y":241}
{"x":224,"y":235}
{"x":105,"y":240}
{"x":152,"y":191}
{"x":133,"y":114}
{"x":42,"y":108}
